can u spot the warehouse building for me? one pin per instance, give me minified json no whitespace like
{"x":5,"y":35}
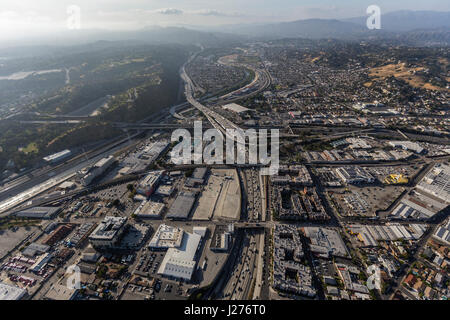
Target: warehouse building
{"x":180,"y":263}
{"x":35,"y":249}
{"x":437,"y":182}
{"x":60,"y":233}
{"x":354,"y":175}
{"x":182,"y":206}
{"x":45,"y":213}
{"x":408,"y":145}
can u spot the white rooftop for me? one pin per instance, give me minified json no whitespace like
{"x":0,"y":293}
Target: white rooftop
{"x":180,"y":262}
{"x":8,"y":292}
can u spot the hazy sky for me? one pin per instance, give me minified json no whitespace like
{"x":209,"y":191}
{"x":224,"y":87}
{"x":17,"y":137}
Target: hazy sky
{"x":20,"y":18}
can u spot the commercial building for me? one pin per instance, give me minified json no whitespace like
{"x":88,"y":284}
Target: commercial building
{"x":182,"y":206}
{"x":9,"y":292}
{"x":180,"y":263}
{"x":150,"y":209}
{"x":108,"y":232}
{"x":59,"y":156}
{"x":97,"y":170}
{"x":45,"y":213}
{"x":149,"y":184}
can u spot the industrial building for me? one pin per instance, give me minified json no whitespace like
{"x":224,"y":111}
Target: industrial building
{"x":370,"y":235}
{"x":236,"y":108}
{"x":45,"y":213}
{"x":35,"y":249}
{"x":408,"y":145}
{"x":60,"y":233}
{"x":221,"y":239}
{"x":326,"y":242}
{"x":166,"y":237}
{"x":59,"y":156}
{"x":41,"y":262}
{"x":150,"y":209}
{"x":108,"y":232}
{"x":165,"y":190}
{"x":182,"y":206}
{"x":149,"y":184}
{"x":61,"y":292}
{"x":180,"y":263}
{"x":437,"y":182}
{"x":81,"y":234}
{"x":9,"y":292}
{"x":442,"y":233}
{"x":97,"y":170}
{"x":354,"y":175}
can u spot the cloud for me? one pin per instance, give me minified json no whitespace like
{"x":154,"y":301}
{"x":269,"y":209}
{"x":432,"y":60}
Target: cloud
{"x":215,"y":13}
{"x":170,"y":11}
{"x":210,"y":12}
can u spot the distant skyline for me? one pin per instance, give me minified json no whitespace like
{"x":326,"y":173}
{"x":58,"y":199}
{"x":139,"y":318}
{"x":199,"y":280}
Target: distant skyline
{"x":28,"y":18}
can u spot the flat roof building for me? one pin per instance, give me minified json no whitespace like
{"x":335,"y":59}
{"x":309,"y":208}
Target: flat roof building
{"x":60,"y":292}
{"x":98,"y":169}
{"x":166,"y":237}
{"x":56,"y":157}
{"x":9,"y":292}
{"x":180,"y":263}
{"x":165,"y":190}
{"x":407,"y":145}
{"x":150,"y":209}
{"x":45,"y":213}
{"x":437,"y":182}
{"x":182,"y":206}
{"x":236,"y":108}
{"x":108,"y":232}
{"x":354,"y":175}
{"x":148,"y":185}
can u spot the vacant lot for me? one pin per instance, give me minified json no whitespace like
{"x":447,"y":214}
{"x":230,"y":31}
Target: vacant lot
{"x":400,"y":71}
